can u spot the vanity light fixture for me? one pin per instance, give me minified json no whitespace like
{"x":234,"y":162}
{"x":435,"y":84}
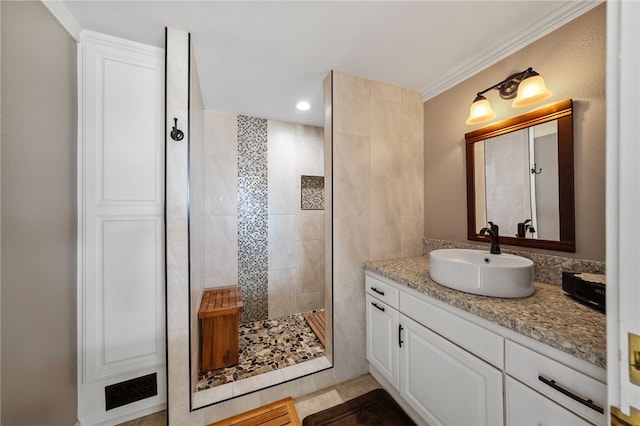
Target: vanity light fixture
{"x":526,"y":86}
{"x":303,"y":106}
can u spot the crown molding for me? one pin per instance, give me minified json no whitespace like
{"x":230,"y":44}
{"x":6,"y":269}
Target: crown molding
{"x":120,"y":43}
{"x":65,"y":17}
{"x":552,"y":21}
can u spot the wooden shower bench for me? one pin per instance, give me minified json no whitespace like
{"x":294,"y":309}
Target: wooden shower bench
{"x":219,"y":316}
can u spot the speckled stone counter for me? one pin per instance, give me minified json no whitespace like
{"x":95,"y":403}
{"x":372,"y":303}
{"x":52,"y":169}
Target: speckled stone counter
{"x":548,"y":316}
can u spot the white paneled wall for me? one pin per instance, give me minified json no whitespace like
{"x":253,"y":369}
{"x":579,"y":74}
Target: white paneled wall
{"x":121,"y":327}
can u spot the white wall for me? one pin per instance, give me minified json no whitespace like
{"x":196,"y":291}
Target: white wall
{"x":38,"y":217}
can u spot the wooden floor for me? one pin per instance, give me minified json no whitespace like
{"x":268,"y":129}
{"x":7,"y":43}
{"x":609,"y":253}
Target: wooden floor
{"x":279,"y":413}
{"x":316,"y":322}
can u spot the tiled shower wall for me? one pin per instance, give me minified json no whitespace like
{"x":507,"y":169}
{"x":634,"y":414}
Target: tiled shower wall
{"x":220,"y":194}
{"x":378,"y":194}
{"x":296,"y":236}
{"x":293,"y":246}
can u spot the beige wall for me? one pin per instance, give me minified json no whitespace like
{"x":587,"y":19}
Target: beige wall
{"x":572,"y":62}
{"x":38,"y":218}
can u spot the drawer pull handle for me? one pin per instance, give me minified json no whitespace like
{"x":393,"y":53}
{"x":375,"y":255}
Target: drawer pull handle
{"x":378,"y":306}
{"x":381,"y":293}
{"x":400,"y":341}
{"x":584,"y":401}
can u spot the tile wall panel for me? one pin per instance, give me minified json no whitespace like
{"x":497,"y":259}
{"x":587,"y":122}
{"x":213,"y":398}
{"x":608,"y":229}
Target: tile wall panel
{"x":220,"y":198}
{"x":296,"y":236}
{"x":378,"y":181}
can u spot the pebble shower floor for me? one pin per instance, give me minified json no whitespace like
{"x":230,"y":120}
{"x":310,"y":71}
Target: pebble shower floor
{"x":265,"y":346}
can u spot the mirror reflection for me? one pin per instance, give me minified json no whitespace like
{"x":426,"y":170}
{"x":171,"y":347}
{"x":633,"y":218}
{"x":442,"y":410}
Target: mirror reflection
{"x":520,"y":177}
{"x":523,"y":164}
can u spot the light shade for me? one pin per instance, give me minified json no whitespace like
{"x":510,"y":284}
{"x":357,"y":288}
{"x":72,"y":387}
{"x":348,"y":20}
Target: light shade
{"x":480,"y":111}
{"x":532,"y":90}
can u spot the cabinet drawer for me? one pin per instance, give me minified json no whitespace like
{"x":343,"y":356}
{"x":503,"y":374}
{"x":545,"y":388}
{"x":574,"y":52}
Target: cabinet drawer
{"x":475,"y":339}
{"x":382,"y":291}
{"x":527,"y":407}
{"x":570,"y":388}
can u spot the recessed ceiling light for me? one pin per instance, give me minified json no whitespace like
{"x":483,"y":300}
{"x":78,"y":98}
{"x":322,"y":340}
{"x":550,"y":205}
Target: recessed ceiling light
{"x":303,"y":106}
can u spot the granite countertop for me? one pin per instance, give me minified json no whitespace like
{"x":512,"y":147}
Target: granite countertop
{"x":548,"y":316}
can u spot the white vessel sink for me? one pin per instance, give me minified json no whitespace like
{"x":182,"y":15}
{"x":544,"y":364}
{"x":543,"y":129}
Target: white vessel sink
{"x":478,"y":272}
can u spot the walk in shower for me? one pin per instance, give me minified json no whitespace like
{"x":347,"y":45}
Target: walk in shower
{"x":249,"y":216}
{"x":257,"y":222}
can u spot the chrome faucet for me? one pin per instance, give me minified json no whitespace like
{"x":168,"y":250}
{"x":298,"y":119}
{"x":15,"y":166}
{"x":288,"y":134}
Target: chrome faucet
{"x":495,"y":237}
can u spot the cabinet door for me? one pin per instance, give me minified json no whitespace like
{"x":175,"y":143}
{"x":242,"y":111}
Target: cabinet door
{"x":527,"y":407}
{"x":445,"y":384}
{"x":382,"y":338}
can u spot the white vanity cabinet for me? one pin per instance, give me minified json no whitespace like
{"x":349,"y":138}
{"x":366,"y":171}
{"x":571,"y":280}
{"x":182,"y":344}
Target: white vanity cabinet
{"x":445,"y":384}
{"x":450,"y":366}
{"x":442,"y":382}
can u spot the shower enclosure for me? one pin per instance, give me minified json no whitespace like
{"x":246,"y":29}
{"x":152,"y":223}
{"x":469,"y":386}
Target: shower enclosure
{"x":246,"y":203}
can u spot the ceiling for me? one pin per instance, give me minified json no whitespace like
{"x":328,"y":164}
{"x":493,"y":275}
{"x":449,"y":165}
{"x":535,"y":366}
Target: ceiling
{"x":260,"y":58}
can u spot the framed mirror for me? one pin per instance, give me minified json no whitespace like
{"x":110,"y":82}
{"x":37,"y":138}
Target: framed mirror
{"x":520,"y":177}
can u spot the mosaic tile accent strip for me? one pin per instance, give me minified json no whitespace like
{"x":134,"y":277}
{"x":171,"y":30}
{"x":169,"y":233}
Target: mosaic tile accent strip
{"x":252,"y":217}
{"x":548,"y":267}
{"x":312,"y":195}
{"x":265,"y":346}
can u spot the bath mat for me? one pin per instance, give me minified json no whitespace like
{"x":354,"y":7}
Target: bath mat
{"x":280,"y":413}
{"x":373,"y":408}
{"x":316,"y":322}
